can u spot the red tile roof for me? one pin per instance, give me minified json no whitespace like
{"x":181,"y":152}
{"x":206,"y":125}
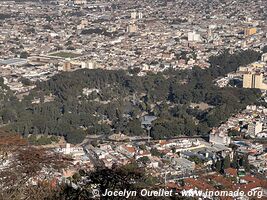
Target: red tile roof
{"x":223,"y":181}
{"x":231,"y":171}
{"x":200,"y":184}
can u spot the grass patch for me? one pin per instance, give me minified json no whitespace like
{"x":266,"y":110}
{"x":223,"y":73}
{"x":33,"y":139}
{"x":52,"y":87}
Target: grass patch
{"x":65,"y":54}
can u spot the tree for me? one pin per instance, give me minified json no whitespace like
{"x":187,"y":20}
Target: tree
{"x":25,"y":81}
{"x":8,"y":115}
{"x":235,"y":162}
{"x":155,"y":152}
{"x":122,"y":98}
{"x":226,"y":162}
{"x":234,"y":133}
{"x":24,"y":54}
{"x":195,"y":159}
{"x":218,"y":165}
{"x":244,"y":162}
{"x":75,"y":136}
{"x":144,"y":159}
{"x":100,"y":129}
{"x":134,"y":127}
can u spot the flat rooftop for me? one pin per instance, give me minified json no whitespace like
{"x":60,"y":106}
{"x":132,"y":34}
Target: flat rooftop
{"x":13,"y":61}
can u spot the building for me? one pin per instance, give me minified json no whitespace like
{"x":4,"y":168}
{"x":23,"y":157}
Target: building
{"x":140,"y":15}
{"x":132,"y":28}
{"x":68,"y":150}
{"x":127,"y":150}
{"x":218,"y":137}
{"x":14,"y":62}
{"x":262,"y":135}
{"x":264,"y":57}
{"x":67,"y":66}
{"x":136,"y":15}
{"x":142,"y":153}
{"x":79,"y":2}
{"x":254,"y":80}
{"x":250,"y":31}
{"x":254,"y":128}
{"x":147,"y":120}
{"x":89,"y":64}
{"x":183,"y":164}
{"x":83,"y":24}
{"x":194,"y":37}
{"x":43,"y":59}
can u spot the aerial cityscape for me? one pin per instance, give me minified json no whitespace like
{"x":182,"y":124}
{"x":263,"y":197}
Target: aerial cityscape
{"x":124,"y":99}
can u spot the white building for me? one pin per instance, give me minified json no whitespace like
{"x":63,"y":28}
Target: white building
{"x":135,"y":15}
{"x":194,"y":37}
{"x":80,"y":2}
{"x":262,"y":135}
{"x":218,"y":137}
{"x":68,"y":150}
{"x":254,"y":129}
{"x":264,"y":57}
{"x":89,"y":64}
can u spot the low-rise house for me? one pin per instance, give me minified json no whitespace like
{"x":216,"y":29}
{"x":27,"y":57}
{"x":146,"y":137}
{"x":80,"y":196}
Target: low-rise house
{"x":127,"y":150}
{"x":142,"y":153}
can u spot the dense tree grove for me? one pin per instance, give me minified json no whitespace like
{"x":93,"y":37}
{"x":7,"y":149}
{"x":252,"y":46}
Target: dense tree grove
{"x":116,"y":100}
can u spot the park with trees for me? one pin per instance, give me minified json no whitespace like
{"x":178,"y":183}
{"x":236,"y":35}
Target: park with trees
{"x":124,"y":97}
